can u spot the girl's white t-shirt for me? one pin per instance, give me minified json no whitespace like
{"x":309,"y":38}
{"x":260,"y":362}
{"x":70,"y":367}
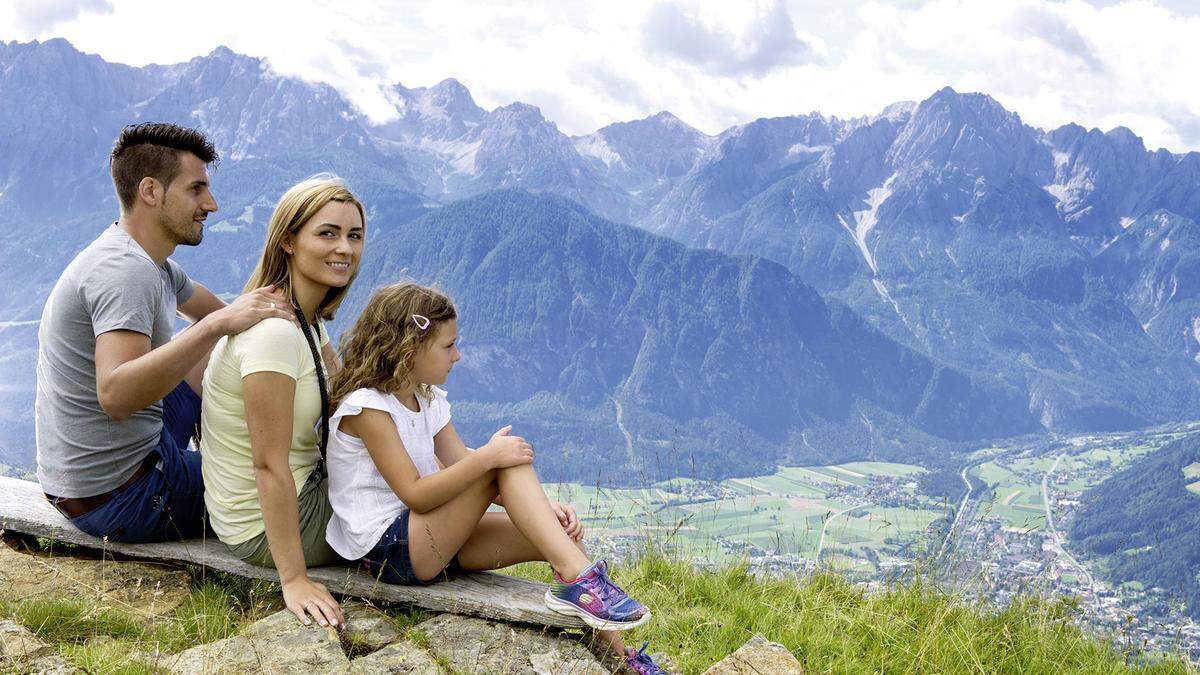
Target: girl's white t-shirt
{"x":364,"y":505}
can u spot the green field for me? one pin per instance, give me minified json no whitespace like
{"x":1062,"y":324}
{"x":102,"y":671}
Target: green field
{"x":781,"y":513}
{"x":1016,"y":483}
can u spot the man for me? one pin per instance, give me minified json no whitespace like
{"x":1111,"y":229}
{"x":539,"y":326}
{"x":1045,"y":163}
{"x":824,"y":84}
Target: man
{"x":117,"y":398}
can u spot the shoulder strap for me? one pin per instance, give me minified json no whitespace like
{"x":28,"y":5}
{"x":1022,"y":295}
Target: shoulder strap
{"x":316,"y":355}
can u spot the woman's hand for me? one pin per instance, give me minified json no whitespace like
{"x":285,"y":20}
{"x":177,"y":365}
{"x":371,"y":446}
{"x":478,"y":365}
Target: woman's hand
{"x":569,"y":521}
{"x":503,"y":451}
{"x":304,"y":598}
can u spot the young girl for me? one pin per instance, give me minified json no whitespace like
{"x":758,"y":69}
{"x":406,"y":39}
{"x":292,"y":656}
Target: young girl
{"x":410,"y":500}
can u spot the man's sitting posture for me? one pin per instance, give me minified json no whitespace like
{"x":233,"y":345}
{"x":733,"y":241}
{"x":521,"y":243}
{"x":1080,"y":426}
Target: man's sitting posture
{"x":117,"y":398}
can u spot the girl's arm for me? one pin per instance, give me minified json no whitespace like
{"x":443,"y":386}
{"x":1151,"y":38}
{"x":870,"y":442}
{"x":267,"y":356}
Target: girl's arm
{"x":422,"y":494}
{"x":269,"y":397}
{"x":448,"y":447}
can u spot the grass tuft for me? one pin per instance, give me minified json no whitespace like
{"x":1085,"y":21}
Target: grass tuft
{"x":72,"y":620}
{"x":833,"y":625}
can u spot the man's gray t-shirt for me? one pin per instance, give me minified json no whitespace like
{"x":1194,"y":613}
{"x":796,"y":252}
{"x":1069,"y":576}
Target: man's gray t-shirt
{"x":113,"y":284}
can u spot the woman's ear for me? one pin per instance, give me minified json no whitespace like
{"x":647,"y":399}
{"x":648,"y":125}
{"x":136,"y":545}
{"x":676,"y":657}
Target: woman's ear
{"x":286,"y":244}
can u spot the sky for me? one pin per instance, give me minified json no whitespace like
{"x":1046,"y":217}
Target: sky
{"x":714,"y":64}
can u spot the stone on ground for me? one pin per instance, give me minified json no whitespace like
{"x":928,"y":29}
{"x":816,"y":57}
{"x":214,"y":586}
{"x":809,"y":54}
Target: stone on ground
{"x":144,"y":591}
{"x":367,"y":629}
{"x":399,"y":657}
{"x":757,"y":657}
{"x":277,"y":644}
{"x":51,"y":665}
{"x":470,"y":645}
{"x":17,"y":643}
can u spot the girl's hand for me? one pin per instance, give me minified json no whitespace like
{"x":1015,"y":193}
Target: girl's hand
{"x":569,"y":521}
{"x":304,"y":598}
{"x":503,"y":451}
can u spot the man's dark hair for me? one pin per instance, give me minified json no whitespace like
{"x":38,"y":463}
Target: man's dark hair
{"x":153,"y":149}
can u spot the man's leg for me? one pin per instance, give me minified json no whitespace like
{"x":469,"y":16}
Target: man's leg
{"x":182,"y":495}
{"x":181,"y":414}
{"x":168,"y":502}
{"x":195,"y":376}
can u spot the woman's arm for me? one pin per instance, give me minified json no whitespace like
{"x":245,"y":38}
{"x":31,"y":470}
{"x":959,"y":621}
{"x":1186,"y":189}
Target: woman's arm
{"x":422,"y":494}
{"x":269,"y":398}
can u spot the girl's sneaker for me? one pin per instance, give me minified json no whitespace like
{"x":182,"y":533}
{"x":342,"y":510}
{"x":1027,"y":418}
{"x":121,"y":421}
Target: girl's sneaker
{"x":640,"y":662}
{"x":594,"y":598}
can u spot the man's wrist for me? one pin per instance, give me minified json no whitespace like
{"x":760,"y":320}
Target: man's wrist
{"x":211,"y":326}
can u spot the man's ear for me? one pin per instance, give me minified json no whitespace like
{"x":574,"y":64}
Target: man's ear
{"x":150,"y":191}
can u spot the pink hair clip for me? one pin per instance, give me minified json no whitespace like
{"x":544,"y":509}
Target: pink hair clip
{"x":422,"y":322}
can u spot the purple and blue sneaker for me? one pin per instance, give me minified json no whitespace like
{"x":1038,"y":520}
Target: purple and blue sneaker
{"x":640,"y":662}
{"x":594,"y":598}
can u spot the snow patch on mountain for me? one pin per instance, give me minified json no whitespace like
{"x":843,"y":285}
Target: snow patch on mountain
{"x":801,"y":149}
{"x":458,"y":154}
{"x":865,"y":220}
{"x":1196,"y":335}
{"x":596,"y":146}
{"x":1058,"y":191}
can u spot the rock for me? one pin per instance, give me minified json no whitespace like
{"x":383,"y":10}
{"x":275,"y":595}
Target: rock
{"x":145,"y":591}
{"x":400,"y":657}
{"x":51,"y":665}
{"x":470,"y":645}
{"x":757,"y":657}
{"x":367,"y":629}
{"x":277,"y":644}
{"x":18,"y":644}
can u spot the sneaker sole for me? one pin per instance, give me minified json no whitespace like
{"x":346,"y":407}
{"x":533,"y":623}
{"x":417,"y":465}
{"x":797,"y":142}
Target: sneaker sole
{"x":563,"y":607}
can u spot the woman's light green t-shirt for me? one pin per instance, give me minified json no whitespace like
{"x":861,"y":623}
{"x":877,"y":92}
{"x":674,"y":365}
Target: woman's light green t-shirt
{"x":230,"y":491}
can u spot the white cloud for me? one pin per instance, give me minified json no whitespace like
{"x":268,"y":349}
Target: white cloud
{"x":588,"y":64}
{"x":44,"y":15}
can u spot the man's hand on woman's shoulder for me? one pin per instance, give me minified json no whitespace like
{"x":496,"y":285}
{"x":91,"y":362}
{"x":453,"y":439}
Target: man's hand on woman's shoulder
{"x":250,"y":308}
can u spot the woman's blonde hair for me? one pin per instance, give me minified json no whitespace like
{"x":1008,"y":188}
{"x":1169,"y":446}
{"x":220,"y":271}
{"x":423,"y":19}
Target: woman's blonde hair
{"x":378,"y":350}
{"x":295,"y":207}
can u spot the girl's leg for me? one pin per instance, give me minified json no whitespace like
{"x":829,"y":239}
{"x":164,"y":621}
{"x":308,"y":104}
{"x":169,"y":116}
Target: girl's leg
{"x":436,"y":536}
{"x":526,"y":504}
{"x":498,"y":543}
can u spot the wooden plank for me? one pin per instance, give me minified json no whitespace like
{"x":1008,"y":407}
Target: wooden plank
{"x":24,"y":509}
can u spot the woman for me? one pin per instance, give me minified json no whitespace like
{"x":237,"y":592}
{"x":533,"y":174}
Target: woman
{"x":263,"y":425}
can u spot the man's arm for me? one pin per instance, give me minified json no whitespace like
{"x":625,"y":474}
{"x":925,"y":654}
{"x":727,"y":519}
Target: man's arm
{"x":201,"y":304}
{"x":130,"y":376}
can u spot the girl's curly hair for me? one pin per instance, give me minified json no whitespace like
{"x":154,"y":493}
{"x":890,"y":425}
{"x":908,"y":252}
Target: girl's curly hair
{"x":378,"y":350}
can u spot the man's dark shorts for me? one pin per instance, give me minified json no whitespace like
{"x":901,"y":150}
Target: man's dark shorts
{"x":168,"y":501}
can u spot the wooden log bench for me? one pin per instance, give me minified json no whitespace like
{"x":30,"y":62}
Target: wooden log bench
{"x":24,"y":509}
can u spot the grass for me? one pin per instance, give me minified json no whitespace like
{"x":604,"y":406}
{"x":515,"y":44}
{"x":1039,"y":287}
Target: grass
{"x":832,"y":625}
{"x":829,"y":623}
{"x":102,"y":639}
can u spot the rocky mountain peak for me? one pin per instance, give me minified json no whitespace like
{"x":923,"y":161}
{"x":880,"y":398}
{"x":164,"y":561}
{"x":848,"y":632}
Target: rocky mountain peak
{"x":968,"y":134}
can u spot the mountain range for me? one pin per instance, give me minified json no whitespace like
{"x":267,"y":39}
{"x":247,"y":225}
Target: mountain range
{"x":792,"y":289}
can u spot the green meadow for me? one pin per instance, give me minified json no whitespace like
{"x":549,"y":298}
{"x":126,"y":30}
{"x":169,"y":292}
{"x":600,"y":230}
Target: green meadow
{"x":1016,"y":483}
{"x":869,"y":512}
